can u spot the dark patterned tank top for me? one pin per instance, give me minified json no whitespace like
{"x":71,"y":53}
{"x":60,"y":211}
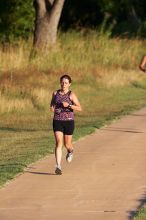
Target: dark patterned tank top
{"x":61,"y":113}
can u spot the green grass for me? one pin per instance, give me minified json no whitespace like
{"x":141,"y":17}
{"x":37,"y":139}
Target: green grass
{"x":141,"y":215}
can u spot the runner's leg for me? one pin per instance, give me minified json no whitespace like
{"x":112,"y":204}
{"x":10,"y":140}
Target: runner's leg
{"x":68,"y":142}
{"x":69,"y":147}
{"x":58,"y":148}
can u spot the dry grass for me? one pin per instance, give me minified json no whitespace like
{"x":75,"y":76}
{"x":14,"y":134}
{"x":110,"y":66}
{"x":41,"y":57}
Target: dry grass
{"x":27,"y":85}
{"x":75,"y":52}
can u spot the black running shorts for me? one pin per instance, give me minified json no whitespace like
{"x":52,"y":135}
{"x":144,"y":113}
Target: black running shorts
{"x":66,"y":127}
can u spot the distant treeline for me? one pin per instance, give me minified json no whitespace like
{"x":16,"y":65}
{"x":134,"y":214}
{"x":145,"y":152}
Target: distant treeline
{"x":126,"y":18}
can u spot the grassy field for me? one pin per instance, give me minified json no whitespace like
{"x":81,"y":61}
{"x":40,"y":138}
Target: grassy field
{"x":106,"y":79}
{"x":141,"y":215}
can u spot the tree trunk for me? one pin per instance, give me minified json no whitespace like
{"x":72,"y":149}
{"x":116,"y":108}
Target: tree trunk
{"x":48,"y":13}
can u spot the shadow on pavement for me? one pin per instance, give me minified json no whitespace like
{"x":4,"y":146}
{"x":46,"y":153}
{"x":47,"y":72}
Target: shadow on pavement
{"x":122,"y":130}
{"x":137,"y":115}
{"x":40,"y":173}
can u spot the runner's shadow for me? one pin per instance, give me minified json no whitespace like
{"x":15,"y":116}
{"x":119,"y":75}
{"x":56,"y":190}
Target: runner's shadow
{"x":137,"y":115}
{"x":40,"y":173}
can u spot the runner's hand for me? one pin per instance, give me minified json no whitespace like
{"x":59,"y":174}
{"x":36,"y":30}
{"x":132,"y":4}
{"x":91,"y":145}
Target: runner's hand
{"x":65,"y":104}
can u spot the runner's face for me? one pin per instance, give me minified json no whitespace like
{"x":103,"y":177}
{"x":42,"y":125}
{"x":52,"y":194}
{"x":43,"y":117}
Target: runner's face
{"x":65,"y":84}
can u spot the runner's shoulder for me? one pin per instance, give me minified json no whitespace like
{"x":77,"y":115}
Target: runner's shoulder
{"x":72,"y":93}
{"x":55,"y":92}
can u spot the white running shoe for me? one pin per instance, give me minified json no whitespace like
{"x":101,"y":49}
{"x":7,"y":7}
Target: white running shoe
{"x":69,"y":156}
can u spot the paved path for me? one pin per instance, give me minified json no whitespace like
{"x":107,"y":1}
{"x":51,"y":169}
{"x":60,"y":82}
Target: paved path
{"x":105,"y":181}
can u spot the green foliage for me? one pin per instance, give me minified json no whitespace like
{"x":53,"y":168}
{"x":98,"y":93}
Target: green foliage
{"x":142,"y":30}
{"x":16,"y":19}
{"x":123,"y":17}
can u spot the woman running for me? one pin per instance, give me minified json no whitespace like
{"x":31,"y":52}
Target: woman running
{"x":63,"y":104}
{"x":142,"y":64}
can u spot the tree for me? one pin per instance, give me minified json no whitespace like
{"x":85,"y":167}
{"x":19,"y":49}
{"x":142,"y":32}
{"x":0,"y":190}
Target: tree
{"x":48,"y":13}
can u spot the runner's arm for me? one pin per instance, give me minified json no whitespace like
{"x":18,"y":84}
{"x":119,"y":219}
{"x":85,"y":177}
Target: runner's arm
{"x":52,"y":104}
{"x":76,"y":104}
{"x":142,"y":64}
